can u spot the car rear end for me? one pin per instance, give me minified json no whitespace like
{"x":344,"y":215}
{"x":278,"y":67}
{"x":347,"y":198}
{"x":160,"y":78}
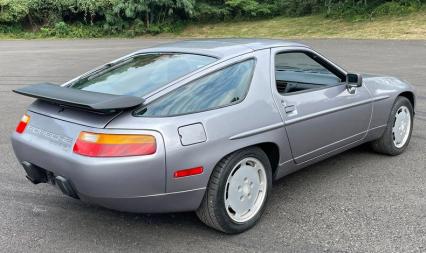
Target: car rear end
{"x":63,"y":139}
{"x":87,"y":161}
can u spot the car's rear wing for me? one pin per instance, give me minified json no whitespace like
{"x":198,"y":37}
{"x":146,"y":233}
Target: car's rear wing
{"x":87,"y":100}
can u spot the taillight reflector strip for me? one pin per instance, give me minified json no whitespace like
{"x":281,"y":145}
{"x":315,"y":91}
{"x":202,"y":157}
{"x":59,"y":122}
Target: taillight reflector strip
{"x":20,"y":128}
{"x":114,"y":145}
{"x":188,"y":172}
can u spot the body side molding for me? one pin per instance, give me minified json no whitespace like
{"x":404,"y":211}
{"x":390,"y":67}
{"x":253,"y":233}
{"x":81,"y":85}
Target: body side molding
{"x":257,"y":131}
{"x":336,"y":109}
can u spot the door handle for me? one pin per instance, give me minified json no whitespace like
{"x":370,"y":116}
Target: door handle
{"x":289,"y":108}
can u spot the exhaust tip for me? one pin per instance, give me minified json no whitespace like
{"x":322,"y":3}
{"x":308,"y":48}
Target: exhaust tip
{"x":35,"y":174}
{"x":66,"y":187}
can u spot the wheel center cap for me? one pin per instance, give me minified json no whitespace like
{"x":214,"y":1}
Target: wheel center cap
{"x":246,"y":189}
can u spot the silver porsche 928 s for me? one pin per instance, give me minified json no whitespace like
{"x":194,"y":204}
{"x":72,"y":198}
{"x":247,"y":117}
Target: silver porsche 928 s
{"x":204,"y":126}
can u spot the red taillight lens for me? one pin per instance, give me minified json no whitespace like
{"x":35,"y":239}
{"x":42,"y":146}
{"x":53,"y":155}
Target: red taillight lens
{"x":114,"y":145}
{"x":188,"y":172}
{"x":20,"y":128}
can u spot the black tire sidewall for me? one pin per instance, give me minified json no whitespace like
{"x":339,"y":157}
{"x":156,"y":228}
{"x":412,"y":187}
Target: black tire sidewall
{"x":388,"y":141}
{"x":225,"y":221}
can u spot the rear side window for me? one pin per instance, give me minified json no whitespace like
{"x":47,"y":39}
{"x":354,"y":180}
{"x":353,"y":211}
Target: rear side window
{"x":142,"y":74}
{"x":224,"y":87}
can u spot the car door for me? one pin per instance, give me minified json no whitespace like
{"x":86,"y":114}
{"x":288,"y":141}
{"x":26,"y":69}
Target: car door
{"x":319,"y":112}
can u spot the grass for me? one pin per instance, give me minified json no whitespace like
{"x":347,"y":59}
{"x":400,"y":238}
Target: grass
{"x":412,"y":26}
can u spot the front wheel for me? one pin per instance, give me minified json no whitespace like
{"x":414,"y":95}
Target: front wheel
{"x":398,"y":131}
{"x":237,"y":191}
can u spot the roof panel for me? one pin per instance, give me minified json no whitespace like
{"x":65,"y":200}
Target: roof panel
{"x":221,"y":47}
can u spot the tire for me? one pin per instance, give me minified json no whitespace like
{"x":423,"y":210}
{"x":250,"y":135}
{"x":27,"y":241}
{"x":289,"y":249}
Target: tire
{"x":386,"y":144}
{"x":223,"y":187}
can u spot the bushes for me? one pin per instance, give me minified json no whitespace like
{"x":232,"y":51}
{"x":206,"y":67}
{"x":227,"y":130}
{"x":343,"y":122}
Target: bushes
{"x":216,"y":10}
{"x":95,"y":18}
{"x":63,"y":30}
{"x":113,"y":15}
{"x":396,"y":8}
{"x":13,"y":11}
{"x":367,"y":9}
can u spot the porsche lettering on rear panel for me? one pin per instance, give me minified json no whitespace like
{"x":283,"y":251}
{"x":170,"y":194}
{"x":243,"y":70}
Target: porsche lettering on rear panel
{"x":56,"y":139}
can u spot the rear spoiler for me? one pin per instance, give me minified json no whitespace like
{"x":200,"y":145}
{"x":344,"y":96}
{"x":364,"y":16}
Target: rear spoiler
{"x":87,"y":100}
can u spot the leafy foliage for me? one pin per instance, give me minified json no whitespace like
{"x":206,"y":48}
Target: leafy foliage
{"x":94,"y":18}
{"x":363,"y":9}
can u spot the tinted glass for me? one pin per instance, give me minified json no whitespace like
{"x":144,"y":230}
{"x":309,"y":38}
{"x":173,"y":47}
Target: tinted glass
{"x":224,"y":87}
{"x":298,"y":62}
{"x":142,"y":74}
{"x":297,"y":71}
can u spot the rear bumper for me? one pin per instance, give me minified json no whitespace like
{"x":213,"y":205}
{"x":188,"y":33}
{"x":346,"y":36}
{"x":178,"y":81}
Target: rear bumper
{"x":130,"y":184}
{"x":159,"y":203}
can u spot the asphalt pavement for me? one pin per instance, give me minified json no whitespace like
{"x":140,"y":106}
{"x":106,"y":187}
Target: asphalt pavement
{"x":357,"y":201}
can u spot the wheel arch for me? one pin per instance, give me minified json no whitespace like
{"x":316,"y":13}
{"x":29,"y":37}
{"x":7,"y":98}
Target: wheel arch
{"x":271,"y":150}
{"x":410,"y":96}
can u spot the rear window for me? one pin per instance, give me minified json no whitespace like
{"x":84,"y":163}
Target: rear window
{"x":140,"y":75}
{"x":222,"y":88}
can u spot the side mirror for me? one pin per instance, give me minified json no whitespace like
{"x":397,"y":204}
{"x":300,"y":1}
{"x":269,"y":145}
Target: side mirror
{"x":353,"y":81}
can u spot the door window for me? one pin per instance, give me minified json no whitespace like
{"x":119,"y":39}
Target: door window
{"x":298,"y":71}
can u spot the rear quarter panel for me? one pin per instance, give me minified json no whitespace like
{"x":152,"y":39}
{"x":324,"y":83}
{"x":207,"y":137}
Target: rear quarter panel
{"x":256,"y":111}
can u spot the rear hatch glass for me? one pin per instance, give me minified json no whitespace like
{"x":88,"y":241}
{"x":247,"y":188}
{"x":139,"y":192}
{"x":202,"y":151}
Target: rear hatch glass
{"x":142,"y":74}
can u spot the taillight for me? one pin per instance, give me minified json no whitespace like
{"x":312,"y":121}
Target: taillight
{"x":188,"y":172}
{"x":20,"y":128}
{"x":114,"y":145}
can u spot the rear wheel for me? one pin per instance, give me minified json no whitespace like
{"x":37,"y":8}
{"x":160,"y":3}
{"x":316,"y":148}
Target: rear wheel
{"x":237,"y":191}
{"x":398,"y":131}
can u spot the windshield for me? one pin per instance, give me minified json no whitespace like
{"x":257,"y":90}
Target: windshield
{"x":142,"y":74}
